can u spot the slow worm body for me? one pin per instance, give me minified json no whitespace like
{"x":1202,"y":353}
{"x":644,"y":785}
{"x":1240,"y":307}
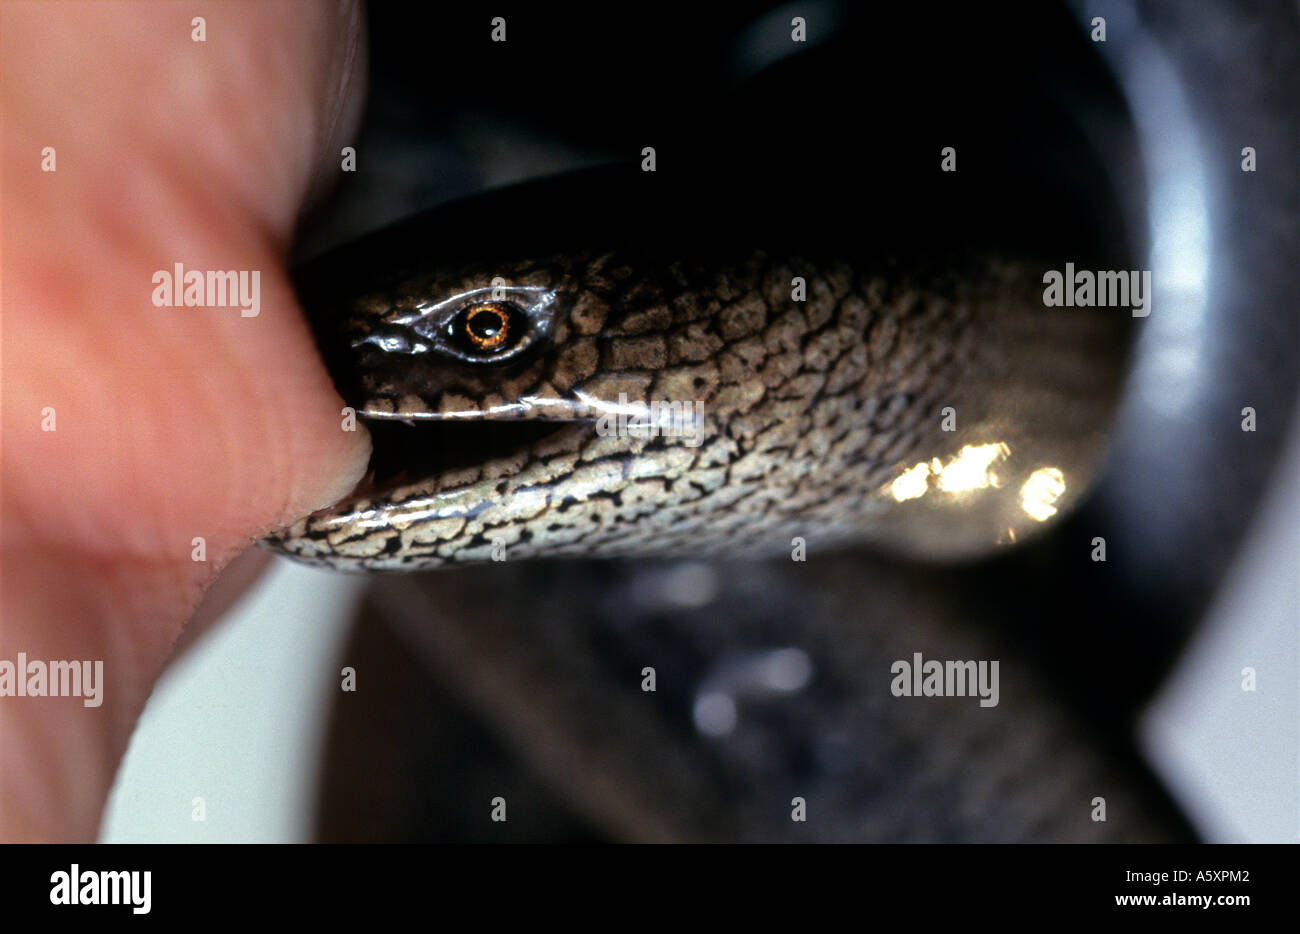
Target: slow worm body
{"x":580,"y":367}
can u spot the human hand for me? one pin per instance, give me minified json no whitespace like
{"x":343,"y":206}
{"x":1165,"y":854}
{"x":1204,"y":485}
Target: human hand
{"x":130,"y":430}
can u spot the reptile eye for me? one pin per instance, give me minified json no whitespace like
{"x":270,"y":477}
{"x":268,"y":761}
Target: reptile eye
{"x":488,"y":328}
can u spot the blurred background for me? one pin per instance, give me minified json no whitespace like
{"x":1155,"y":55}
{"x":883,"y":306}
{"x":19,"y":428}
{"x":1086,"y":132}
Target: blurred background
{"x":1124,"y":676}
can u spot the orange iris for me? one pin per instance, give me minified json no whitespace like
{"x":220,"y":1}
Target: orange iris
{"x":487,"y":326}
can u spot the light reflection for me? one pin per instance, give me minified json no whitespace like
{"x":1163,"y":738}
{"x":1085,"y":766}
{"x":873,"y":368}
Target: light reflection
{"x":912,"y":484}
{"x":1041,"y":491}
{"x":970,"y":469}
{"x":1170,"y":365}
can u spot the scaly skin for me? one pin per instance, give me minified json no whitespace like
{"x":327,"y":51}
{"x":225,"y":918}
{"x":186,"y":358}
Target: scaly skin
{"x":812,"y":409}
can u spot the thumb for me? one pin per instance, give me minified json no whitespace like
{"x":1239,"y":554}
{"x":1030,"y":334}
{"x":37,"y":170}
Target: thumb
{"x":154,"y":423}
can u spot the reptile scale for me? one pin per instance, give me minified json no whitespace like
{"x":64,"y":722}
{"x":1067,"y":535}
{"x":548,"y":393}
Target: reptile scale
{"x":920,"y":399}
{"x":871,"y":376}
{"x":491,"y":357}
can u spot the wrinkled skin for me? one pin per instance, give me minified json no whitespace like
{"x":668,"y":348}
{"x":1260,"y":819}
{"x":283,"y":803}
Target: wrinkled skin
{"x":172,"y":423}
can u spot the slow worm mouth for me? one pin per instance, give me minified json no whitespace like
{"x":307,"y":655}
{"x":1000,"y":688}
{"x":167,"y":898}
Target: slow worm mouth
{"x":430,"y":451}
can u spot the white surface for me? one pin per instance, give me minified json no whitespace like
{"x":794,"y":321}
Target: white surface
{"x":239,"y":720}
{"x":1232,"y":757}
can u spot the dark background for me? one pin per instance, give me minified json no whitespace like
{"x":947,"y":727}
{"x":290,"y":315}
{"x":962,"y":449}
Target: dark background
{"x":851,"y":126}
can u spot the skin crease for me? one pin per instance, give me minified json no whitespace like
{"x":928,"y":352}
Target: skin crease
{"x":171,"y":423}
